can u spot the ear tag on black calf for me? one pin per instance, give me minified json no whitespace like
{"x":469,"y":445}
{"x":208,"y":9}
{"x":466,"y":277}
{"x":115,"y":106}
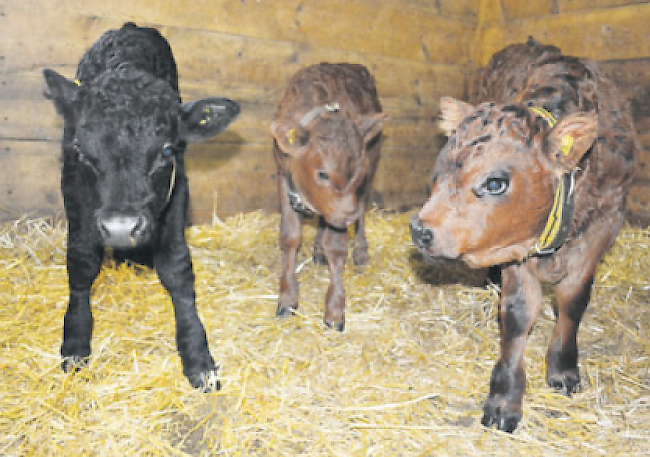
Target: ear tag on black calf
{"x":207,"y":116}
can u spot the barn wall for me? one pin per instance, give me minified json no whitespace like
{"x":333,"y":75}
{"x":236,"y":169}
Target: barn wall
{"x":418,"y":50}
{"x":614,"y":33}
{"x":245,"y":49}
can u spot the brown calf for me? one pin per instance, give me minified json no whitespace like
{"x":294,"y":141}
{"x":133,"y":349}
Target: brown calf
{"x":533,"y":178}
{"x":327,"y":145}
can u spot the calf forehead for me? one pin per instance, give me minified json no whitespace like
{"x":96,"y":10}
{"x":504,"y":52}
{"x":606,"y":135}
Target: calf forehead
{"x":491,"y":131}
{"x":127,"y":94}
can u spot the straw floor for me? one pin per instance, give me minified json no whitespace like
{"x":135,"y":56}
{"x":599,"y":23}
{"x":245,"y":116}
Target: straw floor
{"x":407,"y":377}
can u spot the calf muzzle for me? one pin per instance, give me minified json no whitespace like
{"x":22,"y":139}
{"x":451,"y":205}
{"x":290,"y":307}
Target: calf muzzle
{"x":422,"y":236}
{"x":122,"y":230}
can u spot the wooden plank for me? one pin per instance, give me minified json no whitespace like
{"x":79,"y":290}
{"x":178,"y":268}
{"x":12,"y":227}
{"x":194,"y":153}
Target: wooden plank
{"x":375,"y":27}
{"x":568,"y":6}
{"x":605,"y":34}
{"x":516,"y":9}
{"x":29,"y":182}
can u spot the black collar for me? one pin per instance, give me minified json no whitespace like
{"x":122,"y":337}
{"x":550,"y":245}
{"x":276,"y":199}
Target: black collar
{"x":296,"y":200}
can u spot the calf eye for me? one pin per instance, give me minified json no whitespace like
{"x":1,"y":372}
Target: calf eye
{"x":322,"y":176}
{"x":168,"y":150}
{"x":496,"y":186}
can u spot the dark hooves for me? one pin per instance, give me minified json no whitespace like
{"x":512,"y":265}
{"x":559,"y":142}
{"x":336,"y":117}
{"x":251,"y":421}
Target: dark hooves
{"x":506,"y":421}
{"x":319,"y":258}
{"x":340,"y":326}
{"x":285,"y":311}
{"x":566,"y":385}
{"x":206,"y":381}
{"x":74,"y":363}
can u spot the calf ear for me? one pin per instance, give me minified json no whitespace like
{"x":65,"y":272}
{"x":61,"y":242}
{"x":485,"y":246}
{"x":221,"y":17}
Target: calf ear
{"x":61,"y":91}
{"x":452,"y":112}
{"x":291,"y":138}
{"x":370,"y":125}
{"x":571,"y":138}
{"x":207,"y":117}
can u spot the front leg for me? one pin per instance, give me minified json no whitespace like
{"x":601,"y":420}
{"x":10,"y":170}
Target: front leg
{"x":174,"y":267}
{"x":521,"y":298}
{"x":84,"y":259}
{"x":319,"y":255}
{"x":173,"y":263}
{"x":336,"y":250}
{"x":290,"y":239}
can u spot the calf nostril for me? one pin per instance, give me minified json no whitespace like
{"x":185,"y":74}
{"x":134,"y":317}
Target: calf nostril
{"x":421,"y":235}
{"x":139,"y":227}
{"x":426,"y":236}
{"x":101,"y":226}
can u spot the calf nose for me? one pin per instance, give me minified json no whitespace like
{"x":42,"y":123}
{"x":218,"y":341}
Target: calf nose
{"x":120,"y":230}
{"x":422,"y":236}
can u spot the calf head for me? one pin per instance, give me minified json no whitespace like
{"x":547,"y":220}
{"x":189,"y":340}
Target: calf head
{"x":327,"y":162}
{"x":495,"y":181}
{"x":124,"y":137}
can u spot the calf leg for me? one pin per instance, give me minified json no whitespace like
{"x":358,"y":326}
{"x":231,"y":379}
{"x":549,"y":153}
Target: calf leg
{"x":84,"y":260}
{"x":290,"y":239}
{"x":335,"y":247}
{"x":572,"y":297}
{"x":319,"y":255}
{"x":173,"y":263}
{"x":562,"y":356}
{"x":521,"y":298}
{"x":174,"y":267}
{"x":360,"y":243}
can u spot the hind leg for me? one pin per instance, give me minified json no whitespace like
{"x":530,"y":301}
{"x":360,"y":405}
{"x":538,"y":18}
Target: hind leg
{"x":360,"y":243}
{"x":572,"y":297}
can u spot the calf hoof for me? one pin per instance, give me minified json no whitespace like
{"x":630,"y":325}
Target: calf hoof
{"x":74,"y":363}
{"x":567,"y":382}
{"x":360,"y":256}
{"x":285,"y":311}
{"x":340,"y":326}
{"x":505,"y":420}
{"x":319,"y":258}
{"x":206,"y":381}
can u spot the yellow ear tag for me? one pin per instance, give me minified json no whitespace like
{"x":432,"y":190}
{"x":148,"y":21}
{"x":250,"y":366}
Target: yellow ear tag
{"x":291,"y":136}
{"x":77,"y":82}
{"x":567,"y":144}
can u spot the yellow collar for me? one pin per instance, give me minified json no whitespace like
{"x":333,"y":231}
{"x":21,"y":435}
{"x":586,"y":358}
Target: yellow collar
{"x":559,"y":219}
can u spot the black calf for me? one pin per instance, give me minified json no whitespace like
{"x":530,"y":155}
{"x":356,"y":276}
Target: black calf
{"x":123,"y":179}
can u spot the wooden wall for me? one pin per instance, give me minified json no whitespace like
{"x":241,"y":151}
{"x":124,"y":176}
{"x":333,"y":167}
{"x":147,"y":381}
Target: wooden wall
{"x":615,"y":33}
{"x":418,"y":50}
{"x":247,"y":50}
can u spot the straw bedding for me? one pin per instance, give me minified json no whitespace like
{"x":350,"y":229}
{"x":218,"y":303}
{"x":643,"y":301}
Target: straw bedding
{"x":407,"y":378}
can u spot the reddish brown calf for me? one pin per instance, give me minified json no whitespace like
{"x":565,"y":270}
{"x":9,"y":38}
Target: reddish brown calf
{"x":327,"y":145}
{"x":533,"y":178}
